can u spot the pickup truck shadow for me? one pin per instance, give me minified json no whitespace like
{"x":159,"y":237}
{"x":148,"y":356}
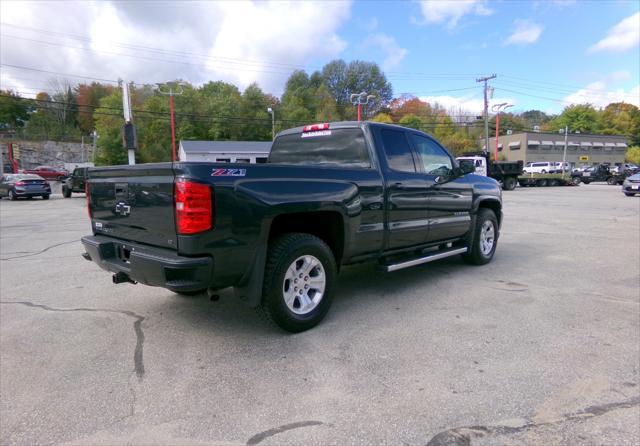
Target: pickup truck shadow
{"x":359,"y":287}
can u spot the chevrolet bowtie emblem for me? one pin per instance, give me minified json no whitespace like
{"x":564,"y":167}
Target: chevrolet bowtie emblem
{"x":123,"y":209}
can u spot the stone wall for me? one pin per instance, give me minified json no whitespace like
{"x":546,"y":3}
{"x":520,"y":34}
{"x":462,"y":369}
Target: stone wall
{"x":50,"y":153}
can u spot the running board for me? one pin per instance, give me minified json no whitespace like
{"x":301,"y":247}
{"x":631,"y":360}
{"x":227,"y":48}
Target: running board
{"x":426,"y":259}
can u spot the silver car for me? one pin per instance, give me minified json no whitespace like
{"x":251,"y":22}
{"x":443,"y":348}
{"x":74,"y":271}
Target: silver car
{"x":631,"y":185}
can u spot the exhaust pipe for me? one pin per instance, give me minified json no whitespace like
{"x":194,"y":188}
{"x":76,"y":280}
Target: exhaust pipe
{"x":121,"y":277}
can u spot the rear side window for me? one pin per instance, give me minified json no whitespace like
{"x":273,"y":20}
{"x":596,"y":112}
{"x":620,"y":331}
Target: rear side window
{"x":334,"y":147}
{"x":397,"y":150}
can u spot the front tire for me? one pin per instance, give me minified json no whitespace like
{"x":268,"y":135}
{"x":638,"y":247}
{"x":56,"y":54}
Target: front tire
{"x":298,"y":282}
{"x":45,"y":197}
{"x":12,"y":195}
{"x":629,"y":194}
{"x":611,"y":181}
{"x":66,"y":192}
{"x":575,"y":181}
{"x":483,"y":238}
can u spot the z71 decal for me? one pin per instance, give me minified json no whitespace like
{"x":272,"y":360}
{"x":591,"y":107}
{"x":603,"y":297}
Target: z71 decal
{"x":228,"y":172}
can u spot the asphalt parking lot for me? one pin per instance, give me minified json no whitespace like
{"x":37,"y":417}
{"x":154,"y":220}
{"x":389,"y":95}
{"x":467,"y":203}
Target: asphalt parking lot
{"x":539,"y":347}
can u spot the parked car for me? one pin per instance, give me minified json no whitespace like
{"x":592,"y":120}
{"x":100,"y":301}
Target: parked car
{"x":331,"y":194}
{"x":559,"y":167}
{"x":539,"y":167}
{"x":599,"y":173}
{"x":75,"y":183}
{"x":19,"y":185}
{"x":631,"y":185}
{"x":48,"y":172}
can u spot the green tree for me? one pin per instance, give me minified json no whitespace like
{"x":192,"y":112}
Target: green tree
{"x":358,"y":76}
{"x":383,"y":117}
{"x":109,"y":128}
{"x":14,"y":110}
{"x":411,"y":121}
{"x":581,"y":117}
{"x":253,"y":110}
{"x":326,"y":110}
{"x":621,"y":118}
{"x":532,"y":118}
{"x":633,"y":155}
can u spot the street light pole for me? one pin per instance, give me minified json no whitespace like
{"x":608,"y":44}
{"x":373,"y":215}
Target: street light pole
{"x":172,"y":92}
{"x":498,"y":108}
{"x":273,"y":123}
{"x":564,"y":154}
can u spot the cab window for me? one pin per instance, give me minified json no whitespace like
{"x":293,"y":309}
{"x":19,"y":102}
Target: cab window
{"x":397,"y":150}
{"x":435,"y":160}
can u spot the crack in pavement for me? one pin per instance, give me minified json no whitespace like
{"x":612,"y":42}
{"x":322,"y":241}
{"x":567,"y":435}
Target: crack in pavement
{"x":462,"y":436}
{"x":138,"y":359}
{"x":41,"y":251}
{"x":258,"y":438}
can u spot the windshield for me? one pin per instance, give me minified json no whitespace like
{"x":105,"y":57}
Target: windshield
{"x":336,"y":147}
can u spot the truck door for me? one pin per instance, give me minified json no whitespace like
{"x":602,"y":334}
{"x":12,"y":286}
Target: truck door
{"x":406,"y":220}
{"x":449,"y":204}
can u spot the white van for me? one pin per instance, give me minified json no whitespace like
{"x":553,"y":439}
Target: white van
{"x":540,"y":167}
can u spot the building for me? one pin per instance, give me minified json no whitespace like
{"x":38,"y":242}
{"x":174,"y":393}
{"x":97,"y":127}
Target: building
{"x":582,"y":148}
{"x":225,"y":151}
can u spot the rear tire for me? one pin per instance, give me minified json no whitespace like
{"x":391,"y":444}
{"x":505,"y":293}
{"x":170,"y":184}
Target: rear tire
{"x":12,"y":195}
{"x":575,"y":181}
{"x":509,"y":183}
{"x":541,"y":183}
{"x":299,"y":274}
{"x":586,"y":181}
{"x":483,"y":238}
{"x":66,"y":192}
{"x":629,"y":194}
{"x":45,"y":197}
{"x":611,"y":181}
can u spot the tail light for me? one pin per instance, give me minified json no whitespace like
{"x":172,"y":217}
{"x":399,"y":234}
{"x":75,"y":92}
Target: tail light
{"x":87,"y":192}
{"x":19,"y":183}
{"x":194,"y":212}
{"x":315,"y":127}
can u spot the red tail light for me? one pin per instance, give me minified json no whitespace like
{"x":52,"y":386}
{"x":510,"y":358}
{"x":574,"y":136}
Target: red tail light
{"x":194,"y":212}
{"x":315,"y":127}
{"x":87,"y":192}
{"x":19,"y":183}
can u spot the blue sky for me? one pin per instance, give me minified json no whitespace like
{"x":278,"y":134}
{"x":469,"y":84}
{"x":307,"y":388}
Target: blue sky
{"x":547,"y":54}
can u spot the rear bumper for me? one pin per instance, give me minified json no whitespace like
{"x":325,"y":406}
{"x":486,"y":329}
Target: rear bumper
{"x":31,"y":192}
{"x":149,"y":265}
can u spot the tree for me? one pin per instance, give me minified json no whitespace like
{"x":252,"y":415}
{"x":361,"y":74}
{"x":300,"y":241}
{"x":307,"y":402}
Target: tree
{"x":358,"y":76}
{"x":109,"y":127}
{"x":383,"y":117}
{"x":580,"y":117}
{"x":408,"y":104}
{"x":14,"y":110}
{"x":531,"y":118}
{"x":411,"y":121}
{"x":253,"y":110}
{"x":620,"y":118}
{"x":88,"y":98}
{"x":508,"y":121}
{"x":633,"y":155}
{"x":326,"y":110}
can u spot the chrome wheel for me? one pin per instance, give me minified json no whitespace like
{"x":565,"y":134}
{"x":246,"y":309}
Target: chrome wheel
{"x":487,"y":238}
{"x":304,"y":284}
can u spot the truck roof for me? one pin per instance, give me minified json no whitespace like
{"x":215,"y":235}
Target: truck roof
{"x":344,"y":125}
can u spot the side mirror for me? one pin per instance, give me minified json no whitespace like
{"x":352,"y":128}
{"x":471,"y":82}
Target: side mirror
{"x":467,"y":166}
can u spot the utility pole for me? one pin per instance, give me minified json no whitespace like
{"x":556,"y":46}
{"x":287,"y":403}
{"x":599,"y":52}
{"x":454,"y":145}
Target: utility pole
{"x":486,"y":110}
{"x":566,"y":141}
{"x":273,"y":123}
{"x":175,"y":89}
{"x":130,"y":138}
{"x":94,"y":135}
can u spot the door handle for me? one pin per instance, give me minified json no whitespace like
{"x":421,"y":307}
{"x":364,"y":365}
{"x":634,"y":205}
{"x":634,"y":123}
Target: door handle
{"x":400,"y":185}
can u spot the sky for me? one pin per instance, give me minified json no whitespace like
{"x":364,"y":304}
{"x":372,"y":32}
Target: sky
{"x":546,"y":54}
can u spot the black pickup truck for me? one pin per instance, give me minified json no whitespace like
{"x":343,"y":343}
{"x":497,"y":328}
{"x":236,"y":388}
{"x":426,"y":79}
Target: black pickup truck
{"x":75,"y":182}
{"x":278,"y":233}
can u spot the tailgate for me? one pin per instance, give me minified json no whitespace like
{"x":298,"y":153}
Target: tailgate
{"x":134,"y":203}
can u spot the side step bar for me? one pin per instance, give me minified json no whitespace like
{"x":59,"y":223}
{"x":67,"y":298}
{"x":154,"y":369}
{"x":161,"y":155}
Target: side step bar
{"x":426,"y":259}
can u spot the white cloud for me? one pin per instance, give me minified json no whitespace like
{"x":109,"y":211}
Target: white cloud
{"x":598,"y":94}
{"x":623,"y":36}
{"x":204,"y":41}
{"x":524,"y":33}
{"x":393,"y":53}
{"x":451,"y":11}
